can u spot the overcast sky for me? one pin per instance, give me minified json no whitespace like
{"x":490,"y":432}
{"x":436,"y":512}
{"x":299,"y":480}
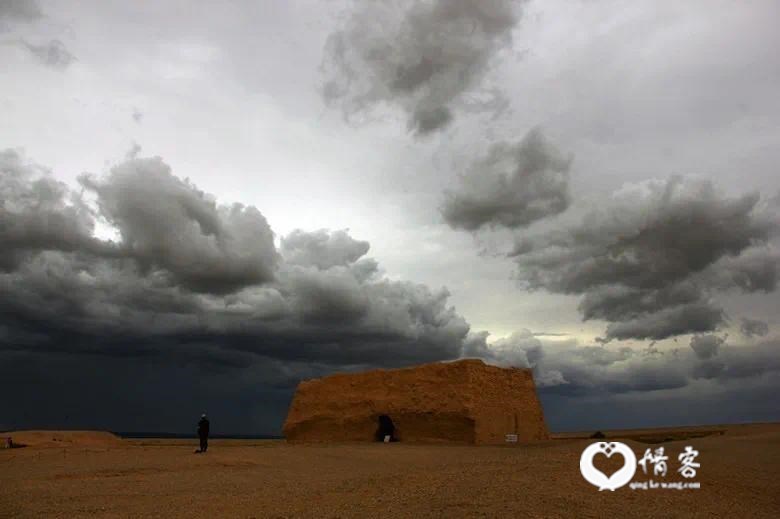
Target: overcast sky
{"x":202,"y":203}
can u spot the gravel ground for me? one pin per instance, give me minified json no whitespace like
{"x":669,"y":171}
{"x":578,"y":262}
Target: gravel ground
{"x":739,"y":476}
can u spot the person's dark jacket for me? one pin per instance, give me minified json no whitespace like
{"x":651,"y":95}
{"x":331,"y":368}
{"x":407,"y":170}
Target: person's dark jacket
{"x":203,"y":428}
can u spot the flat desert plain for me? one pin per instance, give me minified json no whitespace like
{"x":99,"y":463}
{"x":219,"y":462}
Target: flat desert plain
{"x":101,"y":476}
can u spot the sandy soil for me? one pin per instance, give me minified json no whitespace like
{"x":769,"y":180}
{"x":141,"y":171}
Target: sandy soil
{"x":64,"y":439}
{"x":739,"y":475}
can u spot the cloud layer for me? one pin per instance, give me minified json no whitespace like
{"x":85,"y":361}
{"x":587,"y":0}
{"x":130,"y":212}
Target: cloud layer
{"x":706,"y":346}
{"x":420,"y":56}
{"x":649,"y":261}
{"x":133,"y":300}
{"x":190,"y":289}
{"x":195,"y":279}
{"x":565,"y":367}
{"x":52,"y":53}
{"x":19,"y":11}
{"x":753,"y":327}
{"x":166,"y":224}
{"x":511,"y":186}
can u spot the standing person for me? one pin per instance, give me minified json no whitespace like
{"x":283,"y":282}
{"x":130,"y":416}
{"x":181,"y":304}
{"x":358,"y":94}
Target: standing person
{"x":203,"y":432}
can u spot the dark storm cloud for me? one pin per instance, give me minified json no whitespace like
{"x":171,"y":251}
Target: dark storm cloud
{"x":618,"y":302}
{"x":736,"y":401}
{"x":167,"y":223}
{"x":650,"y":237}
{"x":53,"y":54}
{"x":39,"y":213}
{"x":649,"y":261}
{"x":103,"y":311}
{"x":335,"y":296}
{"x":190,"y":308}
{"x":706,"y":346}
{"x":193,"y":281}
{"x":753,"y":271}
{"x":668,"y":322}
{"x":421,"y":56}
{"x":753,"y":327}
{"x":145,"y":393}
{"x":512,"y":186}
{"x":742,"y":362}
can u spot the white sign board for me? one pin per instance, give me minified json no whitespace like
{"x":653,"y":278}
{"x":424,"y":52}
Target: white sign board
{"x":511,"y":438}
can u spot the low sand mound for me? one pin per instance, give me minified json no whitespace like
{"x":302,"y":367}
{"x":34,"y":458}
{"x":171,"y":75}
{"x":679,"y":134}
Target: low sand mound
{"x":63,"y":438}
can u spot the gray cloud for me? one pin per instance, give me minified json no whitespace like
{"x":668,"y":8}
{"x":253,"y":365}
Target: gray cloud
{"x":667,"y":322}
{"x":194,"y":280}
{"x":753,"y":327}
{"x":421,"y":56}
{"x":740,"y":362}
{"x":619,"y":303}
{"x":565,"y":367}
{"x":521,"y":349}
{"x":755,"y":270}
{"x":649,"y":261}
{"x":335,"y":296}
{"x":167,"y":391}
{"x":53,"y":54}
{"x":322,"y":249}
{"x":706,"y":346}
{"x":512,"y":186}
{"x":39,"y":213}
{"x":19,"y":10}
{"x":167,"y":223}
{"x":83,"y":319}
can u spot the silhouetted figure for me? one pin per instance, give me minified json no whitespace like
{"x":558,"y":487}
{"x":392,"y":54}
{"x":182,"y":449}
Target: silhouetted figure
{"x":203,"y":433}
{"x":386,"y":428}
{"x":598,"y":434}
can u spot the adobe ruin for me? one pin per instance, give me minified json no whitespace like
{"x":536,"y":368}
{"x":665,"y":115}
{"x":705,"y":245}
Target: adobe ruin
{"x":465,"y":401}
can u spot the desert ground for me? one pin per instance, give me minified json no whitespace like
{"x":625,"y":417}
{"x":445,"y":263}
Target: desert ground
{"x":97,"y":475}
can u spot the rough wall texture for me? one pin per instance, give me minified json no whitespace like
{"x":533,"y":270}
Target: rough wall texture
{"x":465,"y":401}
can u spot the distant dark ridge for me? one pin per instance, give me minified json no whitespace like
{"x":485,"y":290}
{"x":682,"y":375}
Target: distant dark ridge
{"x":173,"y":435}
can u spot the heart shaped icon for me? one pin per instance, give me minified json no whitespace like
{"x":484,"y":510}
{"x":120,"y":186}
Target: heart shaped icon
{"x":597,"y":478}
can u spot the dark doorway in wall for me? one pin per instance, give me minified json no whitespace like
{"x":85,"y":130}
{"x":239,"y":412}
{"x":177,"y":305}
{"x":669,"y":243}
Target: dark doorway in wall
{"x":386,"y":428}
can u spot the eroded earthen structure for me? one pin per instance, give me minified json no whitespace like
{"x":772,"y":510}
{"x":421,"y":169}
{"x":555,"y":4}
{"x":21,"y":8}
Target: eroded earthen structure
{"x":465,"y":401}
